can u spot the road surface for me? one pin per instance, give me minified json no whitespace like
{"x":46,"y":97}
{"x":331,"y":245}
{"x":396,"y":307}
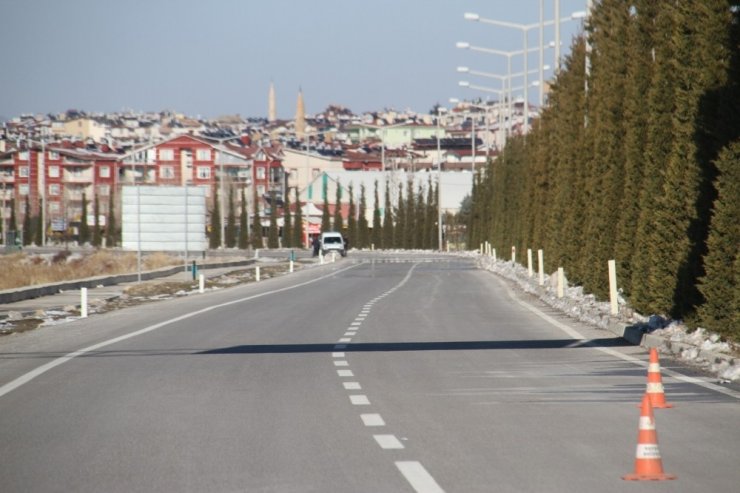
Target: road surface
{"x":375,"y":374}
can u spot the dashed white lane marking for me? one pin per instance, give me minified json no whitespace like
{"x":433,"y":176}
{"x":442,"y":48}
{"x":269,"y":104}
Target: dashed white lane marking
{"x":352,"y":386}
{"x":355,"y":324}
{"x":359,"y":400}
{"x":418,"y":477}
{"x":388,"y":442}
{"x":337,"y":355}
{"x":341,"y":363}
{"x":372,"y":419}
{"x":345,"y":373}
{"x":350,"y":334}
{"x":345,"y":339}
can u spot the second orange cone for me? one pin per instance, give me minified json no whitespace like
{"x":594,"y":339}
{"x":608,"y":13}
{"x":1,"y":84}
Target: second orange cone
{"x":655,"y":388}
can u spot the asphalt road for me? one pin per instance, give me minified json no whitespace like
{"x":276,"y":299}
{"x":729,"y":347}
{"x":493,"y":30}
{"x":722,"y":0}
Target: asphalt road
{"x":365,"y":375}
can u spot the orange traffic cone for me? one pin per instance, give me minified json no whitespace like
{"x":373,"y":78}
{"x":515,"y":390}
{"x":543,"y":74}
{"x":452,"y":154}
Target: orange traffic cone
{"x":655,"y":382}
{"x":648,"y":464}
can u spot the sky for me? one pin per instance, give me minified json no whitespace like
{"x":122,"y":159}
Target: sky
{"x":218,"y":57}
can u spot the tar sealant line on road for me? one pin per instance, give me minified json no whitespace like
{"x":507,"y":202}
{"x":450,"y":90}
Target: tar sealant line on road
{"x":583,"y":341}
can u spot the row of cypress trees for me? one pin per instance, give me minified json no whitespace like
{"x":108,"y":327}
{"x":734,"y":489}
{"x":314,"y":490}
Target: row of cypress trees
{"x":635,"y":157}
{"x":410,"y":224}
{"x":93,"y":234}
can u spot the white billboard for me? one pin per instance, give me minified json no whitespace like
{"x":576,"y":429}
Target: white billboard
{"x":159,"y":218}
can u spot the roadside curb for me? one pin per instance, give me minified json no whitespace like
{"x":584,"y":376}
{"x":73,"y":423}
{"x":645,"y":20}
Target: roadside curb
{"x":634,"y":333}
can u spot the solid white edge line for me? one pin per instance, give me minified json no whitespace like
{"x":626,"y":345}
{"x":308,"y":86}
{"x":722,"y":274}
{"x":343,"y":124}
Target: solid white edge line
{"x":582,"y":341}
{"x":418,"y":477}
{"x":27,"y":377}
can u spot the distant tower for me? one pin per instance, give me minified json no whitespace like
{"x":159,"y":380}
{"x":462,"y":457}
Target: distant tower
{"x":271,"y":111}
{"x":300,"y":116}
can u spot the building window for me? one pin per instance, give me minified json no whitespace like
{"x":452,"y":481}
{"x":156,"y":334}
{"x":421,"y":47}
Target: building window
{"x":53,"y":171}
{"x":203,"y":155}
{"x":54,"y":189}
{"x":54,"y":207}
{"x":105,"y":171}
{"x":167,"y":172}
{"x":23,"y":171}
{"x":23,"y":155}
{"x":260,"y":190}
{"x":166,"y":154}
{"x":53,"y":155}
{"x":260,"y":173}
{"x":204,"y":172}
{"x":104,"y":190}
{"x":23,"y":189}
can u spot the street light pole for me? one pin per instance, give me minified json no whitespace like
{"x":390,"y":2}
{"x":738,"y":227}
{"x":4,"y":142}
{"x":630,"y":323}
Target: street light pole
{"x":439,"y":179}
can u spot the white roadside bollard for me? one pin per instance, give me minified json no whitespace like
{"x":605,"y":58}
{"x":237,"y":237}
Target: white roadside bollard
{"x":493,"y":252}
{"x":291,"y":266}
{"x":613,"y":287}
{"x":256,"y":253}
{"x":333,"y":257}
{"x":83,"y":302}
{"x":541,"y":266}
{"x":201,"y":284}
{"x":513,"y":254}
{"x":530,"y":269}
{"x":321,"y":258}
{"x":561,"y":282}
{"x":257,"y":273}
{"x":481,"y":249}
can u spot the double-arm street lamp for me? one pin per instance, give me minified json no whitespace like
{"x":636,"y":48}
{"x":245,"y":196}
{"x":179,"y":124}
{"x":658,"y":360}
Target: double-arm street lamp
{"x":525,"y":28}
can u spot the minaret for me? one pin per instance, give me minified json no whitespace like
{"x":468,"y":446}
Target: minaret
{"x":271,"y":110}
{"x":300,"y":116}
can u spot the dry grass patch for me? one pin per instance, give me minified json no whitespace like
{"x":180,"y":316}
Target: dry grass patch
{"x":21,"y":269}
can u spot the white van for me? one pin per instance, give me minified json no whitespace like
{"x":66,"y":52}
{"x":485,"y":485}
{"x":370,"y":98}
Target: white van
{"x":331,"y":241}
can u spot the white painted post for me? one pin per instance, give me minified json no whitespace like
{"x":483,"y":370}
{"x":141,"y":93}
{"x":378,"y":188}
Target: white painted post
{"x":561,"y":282}
{"x":257,"y":273}
{"x":83,"y":302}
{"x":291,"y":266}
{"x":256,"y":253}
{"x":321,"y":258}
{"x":513,"y":254}
{"x":493,"y":251}
{"x":541,"y":266}
{"x":530,"y":270}
{"x":372,"y":247}
{"x":201,"y":283}
{"x":613,"y":287}
{"x":333,"y":257}
{"x":481,"y":249}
